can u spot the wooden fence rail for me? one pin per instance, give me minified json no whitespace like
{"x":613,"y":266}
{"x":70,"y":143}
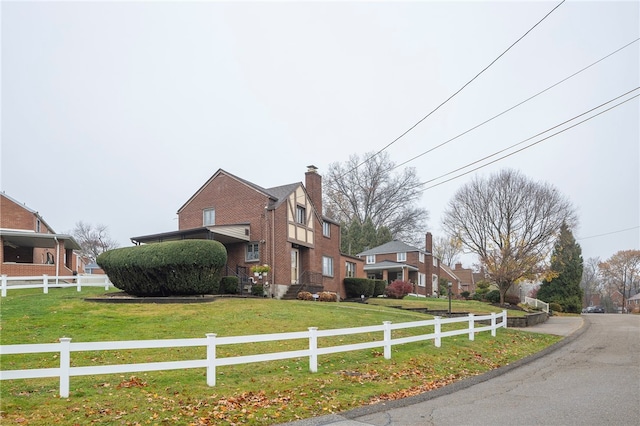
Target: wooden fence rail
{"x":45,"y":282}
{"x":212,"y":341}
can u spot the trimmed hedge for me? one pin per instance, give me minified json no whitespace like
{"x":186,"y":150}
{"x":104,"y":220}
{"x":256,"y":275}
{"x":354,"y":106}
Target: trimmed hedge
{"x":378,"y":287}
{"x":356,"y":287}
{"x":185,"y":267}
{"x":229,"y":285}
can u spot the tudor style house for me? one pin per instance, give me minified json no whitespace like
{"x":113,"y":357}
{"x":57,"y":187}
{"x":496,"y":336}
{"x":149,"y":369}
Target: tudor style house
{"x":30,"y":247}
{"x":282,"y":227}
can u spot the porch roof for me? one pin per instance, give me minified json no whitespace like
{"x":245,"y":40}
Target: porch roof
{"x":226,"y":234}
{"x":389,"y":266}
{"x":14,"y":237}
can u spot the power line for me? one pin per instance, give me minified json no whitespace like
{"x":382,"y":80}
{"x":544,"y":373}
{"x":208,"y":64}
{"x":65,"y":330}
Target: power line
{"x":455,"y":93}
{"x":516,"y":105}
{"x":528,"y":146}
{"x":608,"y":233}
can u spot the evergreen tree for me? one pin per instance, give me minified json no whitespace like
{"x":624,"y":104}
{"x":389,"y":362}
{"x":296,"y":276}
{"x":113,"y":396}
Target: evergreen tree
{"x":563,"y":286}
{"x":358,"y":237}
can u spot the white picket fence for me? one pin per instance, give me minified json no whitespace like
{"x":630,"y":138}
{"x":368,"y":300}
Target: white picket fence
{"x":211,"y":342}
{"x":536,"y":303}
{"x":45,"y":282}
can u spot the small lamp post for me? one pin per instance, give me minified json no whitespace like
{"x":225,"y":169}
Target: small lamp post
{"x":449,"y":287}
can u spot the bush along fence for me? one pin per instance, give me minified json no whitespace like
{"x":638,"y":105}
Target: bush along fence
{"x":46,"y":282}
{"x":212,"y":341}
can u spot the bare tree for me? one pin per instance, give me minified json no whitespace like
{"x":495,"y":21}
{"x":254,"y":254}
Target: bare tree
{"x":510,"y":222}
{"x":93,"y":240}
{"x":447,"y":249}
{"x":590,"y":279}
{"x":373,"y":191}
{"x":621,"y":272}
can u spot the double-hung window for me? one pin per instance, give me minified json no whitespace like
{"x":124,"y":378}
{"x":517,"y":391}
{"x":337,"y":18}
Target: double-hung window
{"x":301,"y":215}
{"x":208,"y":217}
{"x":253,"y":252}
{"x":326,"y":229}
{"x":402,"y":257}
{"x":350,"y":269}
{"x":371,"y":259}
{"x":327,"y":266}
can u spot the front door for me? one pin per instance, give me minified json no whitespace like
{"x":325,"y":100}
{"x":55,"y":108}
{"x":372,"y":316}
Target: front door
{"x":295,"y":266}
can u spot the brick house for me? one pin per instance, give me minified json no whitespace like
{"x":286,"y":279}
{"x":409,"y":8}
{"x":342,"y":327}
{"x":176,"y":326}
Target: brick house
{"x":467,"y":278}
{"x":30,"y":247}
{"x":282,"y":227}
{"x":396,"y":260}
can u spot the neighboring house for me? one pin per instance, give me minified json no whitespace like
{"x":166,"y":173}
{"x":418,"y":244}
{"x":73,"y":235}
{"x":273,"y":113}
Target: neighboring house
{"x":633,"y":303}
{"x":467,"y":278}
{"x":282,"y":227}
{"x":452,"y":278}
{"x":396,"y":260}
{"x":30,"y":247}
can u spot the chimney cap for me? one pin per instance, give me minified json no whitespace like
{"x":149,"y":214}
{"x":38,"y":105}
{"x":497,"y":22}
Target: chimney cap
{"x":312,"y":168}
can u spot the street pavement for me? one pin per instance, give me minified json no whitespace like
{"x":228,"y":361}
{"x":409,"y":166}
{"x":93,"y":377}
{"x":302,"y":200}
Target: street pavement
{"x":523,"y":393}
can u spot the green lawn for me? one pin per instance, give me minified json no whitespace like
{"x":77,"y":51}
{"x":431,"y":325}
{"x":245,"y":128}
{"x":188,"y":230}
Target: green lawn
{"x":258,"y":393}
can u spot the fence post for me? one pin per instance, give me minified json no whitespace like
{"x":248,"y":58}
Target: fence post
{"x":387,"y":339}
{"x":472,"y":324}
{"x":106,"y":282}
{"x":79,"y":282}
{"x":65,"y":366}
{"x":504,"y":318}
{"x":4,"y":285}
{"x":436,"y":325}
{"x":45,"y":283}
{"x":313,"y":349}
{"x":211,"y":359}
{"x":493,"y":324}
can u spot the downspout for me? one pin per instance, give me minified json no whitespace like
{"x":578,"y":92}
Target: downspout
{"x":273,"y":250}
{"x":57,"y":258}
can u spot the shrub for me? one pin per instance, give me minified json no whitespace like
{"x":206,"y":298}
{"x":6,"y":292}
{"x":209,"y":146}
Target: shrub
{"x":183,"y":267}
{"x":257,"y":290}
{"x":229,"y":285}
{"x":378,"y":287}
{"x":465,"y":294}
{"x":305,"y":295}
{"x":493,"y":296}
{"x":356,"y":287}
{"x":556,"y":307}
{"x":511,"y":299}
{"x":326,"y":296}
{"x":398,"y":289}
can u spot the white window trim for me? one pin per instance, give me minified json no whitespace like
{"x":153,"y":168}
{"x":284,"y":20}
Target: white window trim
{"x":204,"y":216}
{"x":401,"y":257}
{"x":326,"y":229}
{"x":421,"y":257}
{"x":246,"y":251}
{"x":371,"y":259}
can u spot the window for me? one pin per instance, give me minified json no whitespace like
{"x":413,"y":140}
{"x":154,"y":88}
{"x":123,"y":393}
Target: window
{"x":422,"y":279}
{"x":301,"y":215}
{"x":371,"y":259}
{"x":253,"y":252}
{"x":327,"y":266}
{"x":209,"y":217}
{"x":326,"y":229}
{"x":350,"y":270}
{"x":37,"y":225}
{"x":434,"y":282}
{"x":402,"y":257}
{"x":435,"y":261}
{"x":421,"y":257}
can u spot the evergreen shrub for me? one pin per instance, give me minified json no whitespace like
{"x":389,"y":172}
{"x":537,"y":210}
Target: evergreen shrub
{"x":378,"y":287}
{"x":556,"y":307}
{"x":185,"y":267}
{"x":229,"y":285}
{"x":493,"y":296}
{"x":257,"y":290}
{"x":356,"y":287}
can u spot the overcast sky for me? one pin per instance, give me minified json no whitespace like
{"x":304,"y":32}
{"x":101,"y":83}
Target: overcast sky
{"x":115,"y":113}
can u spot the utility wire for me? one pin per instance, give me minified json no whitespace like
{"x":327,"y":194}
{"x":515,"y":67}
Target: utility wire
{"x":523,"y":148}
{"x":608,"y":233}
{"x":515,"y":106}
{"x":454,"y":94}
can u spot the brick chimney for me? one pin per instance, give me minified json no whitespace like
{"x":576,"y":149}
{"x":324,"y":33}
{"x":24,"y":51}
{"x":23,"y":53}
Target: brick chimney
{"x":313,"y":183}
{"x":429,"y":243}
